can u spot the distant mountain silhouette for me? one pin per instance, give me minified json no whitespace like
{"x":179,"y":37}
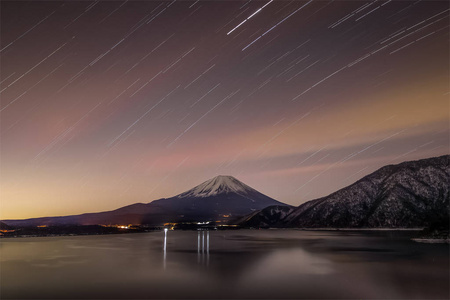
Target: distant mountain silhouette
{"x":410,"y":194}
{"x":3,"y":226}
{"x":219,"y":198}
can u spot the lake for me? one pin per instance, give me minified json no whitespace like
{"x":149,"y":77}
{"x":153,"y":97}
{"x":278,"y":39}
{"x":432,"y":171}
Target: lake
{"x":226,"y":264}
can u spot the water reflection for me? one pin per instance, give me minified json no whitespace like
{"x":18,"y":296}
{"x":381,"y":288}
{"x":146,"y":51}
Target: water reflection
{"x":241,"y":264}
{"x":202,"y":252}
{"x":202,"y":247}
{"x":165,"y":248}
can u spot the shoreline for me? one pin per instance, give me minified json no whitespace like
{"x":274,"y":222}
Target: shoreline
{"x":432,"y":241}
{"x":361,"y":229}
{"x":134,"y":231}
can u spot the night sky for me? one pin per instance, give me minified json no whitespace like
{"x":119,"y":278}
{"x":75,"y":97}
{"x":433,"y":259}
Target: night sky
{"x":109,"y":103}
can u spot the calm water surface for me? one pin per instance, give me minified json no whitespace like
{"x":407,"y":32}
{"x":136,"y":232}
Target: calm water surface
{"x":225,"y":264}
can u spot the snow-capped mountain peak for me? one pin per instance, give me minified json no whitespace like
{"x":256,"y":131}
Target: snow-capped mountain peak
{"x":218,"y":185}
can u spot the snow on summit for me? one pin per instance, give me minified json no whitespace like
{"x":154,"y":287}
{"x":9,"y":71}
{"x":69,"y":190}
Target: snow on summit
{"x":218,"y":185}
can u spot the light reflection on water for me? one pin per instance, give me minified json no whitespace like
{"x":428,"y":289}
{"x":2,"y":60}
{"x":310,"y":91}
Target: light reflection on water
{"x":225,"y":264}
{"x":202,"y":251}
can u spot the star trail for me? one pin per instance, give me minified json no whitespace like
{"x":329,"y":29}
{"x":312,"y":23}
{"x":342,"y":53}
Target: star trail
{"x":108,"y":103}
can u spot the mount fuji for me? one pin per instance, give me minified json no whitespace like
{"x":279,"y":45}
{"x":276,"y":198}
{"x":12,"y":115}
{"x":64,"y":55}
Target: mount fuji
{"x":219,"y":198}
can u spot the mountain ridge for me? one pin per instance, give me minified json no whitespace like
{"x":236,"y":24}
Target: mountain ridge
{"x":408,"y":194}
{"x":211,"y":200}
{"x":405,"y":195}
